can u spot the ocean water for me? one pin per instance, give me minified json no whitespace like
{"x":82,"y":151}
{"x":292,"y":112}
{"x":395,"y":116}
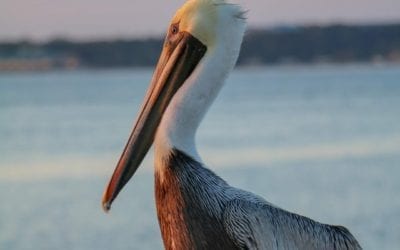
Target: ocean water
{"x":321,"y":141}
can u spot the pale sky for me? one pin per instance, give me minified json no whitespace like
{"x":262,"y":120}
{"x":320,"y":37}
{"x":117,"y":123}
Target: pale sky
{"x":93,"y":19}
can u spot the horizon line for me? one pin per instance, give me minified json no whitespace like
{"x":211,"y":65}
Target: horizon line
{"x":253,"y":27}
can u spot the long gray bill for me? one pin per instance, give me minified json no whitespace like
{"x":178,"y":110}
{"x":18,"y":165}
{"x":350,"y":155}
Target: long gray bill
{"x":178,"y":59}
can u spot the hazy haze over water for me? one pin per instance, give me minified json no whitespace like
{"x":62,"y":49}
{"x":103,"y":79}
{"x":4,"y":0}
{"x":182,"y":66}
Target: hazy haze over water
{"x":94,"y":19}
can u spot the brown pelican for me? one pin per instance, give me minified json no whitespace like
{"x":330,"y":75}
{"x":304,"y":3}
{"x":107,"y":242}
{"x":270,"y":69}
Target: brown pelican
{"x":196,"y":208}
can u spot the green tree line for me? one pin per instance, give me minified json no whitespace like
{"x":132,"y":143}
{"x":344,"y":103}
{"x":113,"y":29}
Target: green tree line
{"x":306,"y":44}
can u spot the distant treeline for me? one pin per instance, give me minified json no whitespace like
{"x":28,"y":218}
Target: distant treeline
{"x":337,"y":43}
{"x":311,"y":44}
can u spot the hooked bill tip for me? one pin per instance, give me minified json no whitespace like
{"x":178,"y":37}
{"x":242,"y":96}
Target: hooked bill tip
{"x":106,"y":206}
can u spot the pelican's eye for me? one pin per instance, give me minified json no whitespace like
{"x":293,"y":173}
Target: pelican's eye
{"x":174,"y":29}
{"x":173,"y":36}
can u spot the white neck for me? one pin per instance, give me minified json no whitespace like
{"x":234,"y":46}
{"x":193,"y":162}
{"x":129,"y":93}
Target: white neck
{"x":189,"y":105}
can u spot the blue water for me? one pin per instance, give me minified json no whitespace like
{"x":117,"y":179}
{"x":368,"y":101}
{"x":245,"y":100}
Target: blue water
{"x":322,"y":141}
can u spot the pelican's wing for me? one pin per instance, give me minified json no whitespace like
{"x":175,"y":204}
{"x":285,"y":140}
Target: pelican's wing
{"x":255,"y":224}
{"x":248,"y":225}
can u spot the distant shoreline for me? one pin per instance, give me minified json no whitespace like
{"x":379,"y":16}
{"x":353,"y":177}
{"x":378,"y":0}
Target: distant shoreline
{"x":299,"y":45}
{"x":298,"y":66}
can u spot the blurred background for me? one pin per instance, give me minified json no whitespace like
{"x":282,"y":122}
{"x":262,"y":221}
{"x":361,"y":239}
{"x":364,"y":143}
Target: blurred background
{"x":309,"y":119}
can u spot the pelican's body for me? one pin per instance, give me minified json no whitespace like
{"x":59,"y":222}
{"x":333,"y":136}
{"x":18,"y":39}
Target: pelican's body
{"x":197,"y":209}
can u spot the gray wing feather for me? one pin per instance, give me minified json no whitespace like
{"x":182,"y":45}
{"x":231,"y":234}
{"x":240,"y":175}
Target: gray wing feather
{"x":248,"y":228}
{"x":259,"y":225}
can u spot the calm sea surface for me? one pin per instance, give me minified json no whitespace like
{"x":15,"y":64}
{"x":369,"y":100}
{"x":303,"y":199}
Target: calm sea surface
{"x":322,"y":141}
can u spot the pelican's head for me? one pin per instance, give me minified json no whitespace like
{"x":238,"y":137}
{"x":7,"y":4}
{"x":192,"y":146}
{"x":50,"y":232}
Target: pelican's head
{"x":197,"y":18}
{"x":200,"y":48}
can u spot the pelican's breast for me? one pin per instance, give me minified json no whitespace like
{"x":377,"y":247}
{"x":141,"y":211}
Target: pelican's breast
{"x":185,"y":222}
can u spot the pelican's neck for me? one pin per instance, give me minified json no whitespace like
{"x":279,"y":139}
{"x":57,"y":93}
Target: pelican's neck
{"x":189,"y":105}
